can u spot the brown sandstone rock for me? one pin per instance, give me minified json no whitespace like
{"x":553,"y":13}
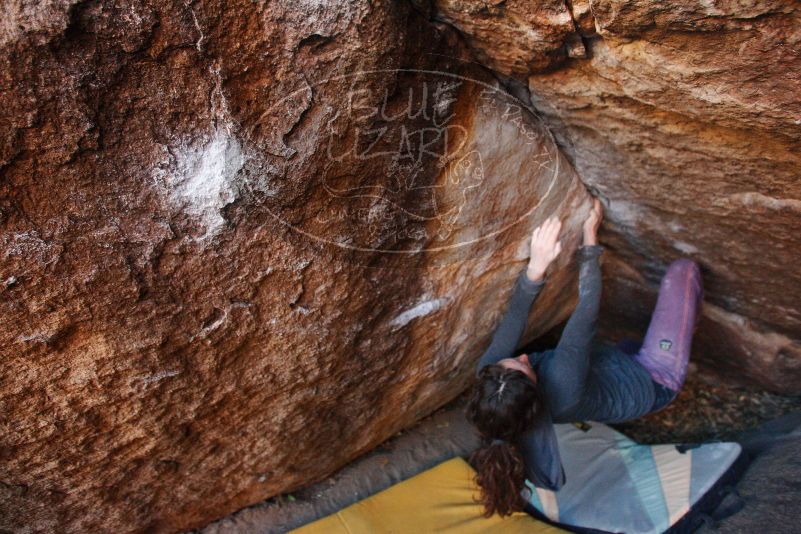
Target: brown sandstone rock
{"x":513,"y":37}
{"x":234,"y":254}
{"x":239,"y":247}
{"x":686,"y":118}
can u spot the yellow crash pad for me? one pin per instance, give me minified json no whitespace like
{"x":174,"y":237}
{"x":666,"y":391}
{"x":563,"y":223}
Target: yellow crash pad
{"x":437,"y":500}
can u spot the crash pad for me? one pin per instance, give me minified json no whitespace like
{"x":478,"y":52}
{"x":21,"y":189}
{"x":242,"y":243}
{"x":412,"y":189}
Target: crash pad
{"x":440,"y":499}
{"x":617,"y":485}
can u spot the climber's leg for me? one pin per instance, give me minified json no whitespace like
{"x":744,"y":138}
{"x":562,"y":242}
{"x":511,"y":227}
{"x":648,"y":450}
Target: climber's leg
{"x":665,"y":351}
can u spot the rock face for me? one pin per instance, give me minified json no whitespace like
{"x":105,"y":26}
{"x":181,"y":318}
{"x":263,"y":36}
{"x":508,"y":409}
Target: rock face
{"x":241,"y":244}
{"x":685,"y":117}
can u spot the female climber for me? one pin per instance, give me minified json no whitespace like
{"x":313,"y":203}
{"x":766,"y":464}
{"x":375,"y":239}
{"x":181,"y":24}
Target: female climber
{"x":516,"y":400}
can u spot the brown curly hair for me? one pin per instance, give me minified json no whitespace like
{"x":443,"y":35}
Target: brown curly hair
{"x":504,"y":404}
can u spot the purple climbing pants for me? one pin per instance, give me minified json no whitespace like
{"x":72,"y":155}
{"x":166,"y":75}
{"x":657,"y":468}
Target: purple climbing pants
{"x":665,"y":351}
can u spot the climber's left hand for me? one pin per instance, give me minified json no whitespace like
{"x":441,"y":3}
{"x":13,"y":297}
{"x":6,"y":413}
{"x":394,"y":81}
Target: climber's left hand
{"x":593,"y":222}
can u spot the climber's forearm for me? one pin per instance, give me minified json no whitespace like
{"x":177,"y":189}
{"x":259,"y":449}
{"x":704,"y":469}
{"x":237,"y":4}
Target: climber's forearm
{"x":572,"y":355}
{"x":513,"y":324}
{"x":545,"y":247}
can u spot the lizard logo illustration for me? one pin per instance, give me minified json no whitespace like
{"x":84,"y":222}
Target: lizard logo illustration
{"x":440,"y":202}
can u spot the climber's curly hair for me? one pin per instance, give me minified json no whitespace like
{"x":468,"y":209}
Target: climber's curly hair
{"x":503,"y":405}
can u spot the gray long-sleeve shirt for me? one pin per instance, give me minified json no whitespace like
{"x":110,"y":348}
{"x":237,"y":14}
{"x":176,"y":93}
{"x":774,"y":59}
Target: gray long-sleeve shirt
{"x":580,"y":379}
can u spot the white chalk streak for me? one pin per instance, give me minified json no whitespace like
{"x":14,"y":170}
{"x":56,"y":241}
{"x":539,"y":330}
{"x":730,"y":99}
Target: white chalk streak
{"x":202,"y":180}
{"x":158,"y":376}
{"x":424,"y":308}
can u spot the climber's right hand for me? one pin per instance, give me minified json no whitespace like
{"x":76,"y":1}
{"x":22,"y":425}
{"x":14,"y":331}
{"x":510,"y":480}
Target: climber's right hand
{"x":545,"y":247}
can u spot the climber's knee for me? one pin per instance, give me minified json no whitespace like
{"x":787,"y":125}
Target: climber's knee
{"x":684,"y":265}
{"x":685,"y":269}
